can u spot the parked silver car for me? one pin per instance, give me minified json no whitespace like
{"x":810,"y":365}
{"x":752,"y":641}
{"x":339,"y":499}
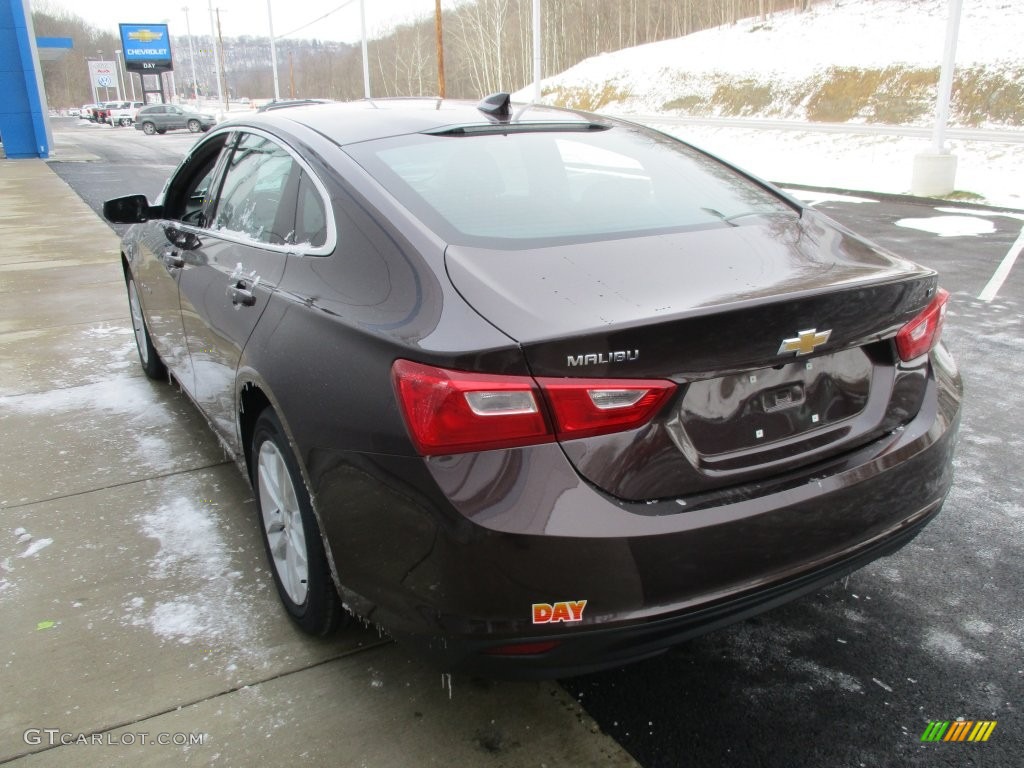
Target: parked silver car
{"x":160,"y":118}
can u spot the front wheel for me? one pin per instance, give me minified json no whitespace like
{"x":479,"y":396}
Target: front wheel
{"x":194,"y":126}
{"x":152,"y":365}
{"x":290,"y":532}
{"x":148,"y":128}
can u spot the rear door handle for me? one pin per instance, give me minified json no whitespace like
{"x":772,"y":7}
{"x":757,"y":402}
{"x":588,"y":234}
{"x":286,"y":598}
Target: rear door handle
{"x":241,"y":295}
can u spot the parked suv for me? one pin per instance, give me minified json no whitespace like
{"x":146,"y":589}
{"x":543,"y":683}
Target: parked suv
{"x":160,"y":118}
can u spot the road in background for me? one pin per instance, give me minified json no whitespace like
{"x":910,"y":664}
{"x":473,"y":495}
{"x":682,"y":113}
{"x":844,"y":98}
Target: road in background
{"x":852,"y":675}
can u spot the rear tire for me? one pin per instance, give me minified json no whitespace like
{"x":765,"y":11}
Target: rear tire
{"x":151,"y":363}
{"x":148,"y":128}
{"x":291,"y":536}
{"x":193,"y":126}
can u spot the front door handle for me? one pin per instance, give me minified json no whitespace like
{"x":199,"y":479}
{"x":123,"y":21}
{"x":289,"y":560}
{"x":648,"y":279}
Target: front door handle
{"x":241,"y":295}
{"x":172,"y":260}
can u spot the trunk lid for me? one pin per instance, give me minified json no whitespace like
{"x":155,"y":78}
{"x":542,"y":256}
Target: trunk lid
{"x":778,"y":332}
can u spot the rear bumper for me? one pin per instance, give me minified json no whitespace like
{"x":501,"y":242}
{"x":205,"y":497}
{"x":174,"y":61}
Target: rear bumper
{"x":595,"y":649}
{"x":455,"y":560}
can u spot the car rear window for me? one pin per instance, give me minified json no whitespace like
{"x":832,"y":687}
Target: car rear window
{"x":526,"y":186}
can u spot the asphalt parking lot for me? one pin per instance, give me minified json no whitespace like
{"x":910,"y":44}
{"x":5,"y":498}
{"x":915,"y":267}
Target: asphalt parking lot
{"x":132,"y":571}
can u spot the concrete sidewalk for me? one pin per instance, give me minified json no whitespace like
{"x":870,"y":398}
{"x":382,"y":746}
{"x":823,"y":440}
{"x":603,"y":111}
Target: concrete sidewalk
{"x":133,"y":588}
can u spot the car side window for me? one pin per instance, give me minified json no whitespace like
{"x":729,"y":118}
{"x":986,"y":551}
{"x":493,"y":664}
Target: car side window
{"x":188,"y":192}
{"x":310,"y":216}
{"x":254,"y":199}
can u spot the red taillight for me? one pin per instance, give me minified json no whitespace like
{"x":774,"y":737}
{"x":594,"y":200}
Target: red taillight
{"x":455,"y":411}
{"x":587,"y":407}
{"x":922,"y":333}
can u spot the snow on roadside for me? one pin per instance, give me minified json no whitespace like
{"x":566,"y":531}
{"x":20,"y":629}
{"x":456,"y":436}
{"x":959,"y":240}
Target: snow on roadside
{"x":866,"y":163}
{"x":792,"y":47}
{"x":798,"y":47}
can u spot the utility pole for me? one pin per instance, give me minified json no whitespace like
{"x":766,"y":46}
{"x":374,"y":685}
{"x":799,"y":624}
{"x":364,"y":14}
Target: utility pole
{"x":440,"y":48}
{"x":366,"y":60}
{"x":273,"y":52}
{"x":216,"y":56}
{"x":223,"y":66}
{"x":124,"y":87}
{"x":536,"y":52}
{"x":291,"y":76}
{"x":192,"y":56}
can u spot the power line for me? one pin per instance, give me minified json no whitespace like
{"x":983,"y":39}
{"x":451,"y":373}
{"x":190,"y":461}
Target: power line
{"x":314,"y":21}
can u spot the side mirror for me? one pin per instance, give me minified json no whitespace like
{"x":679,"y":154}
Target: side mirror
{"x":133,"y":209}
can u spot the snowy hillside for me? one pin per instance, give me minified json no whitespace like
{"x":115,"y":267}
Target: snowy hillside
{"x":850,"y":61}
{"x":864,"y":60}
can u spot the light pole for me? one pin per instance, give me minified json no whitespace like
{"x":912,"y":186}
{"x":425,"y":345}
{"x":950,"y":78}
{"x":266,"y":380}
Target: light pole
{"x":216,"y":58}
{"x":273,"y":52}
{"x":934,"y":172}
{"x":366,"y":61}
{"x":191,"y":55}
{"x":124,"y":75}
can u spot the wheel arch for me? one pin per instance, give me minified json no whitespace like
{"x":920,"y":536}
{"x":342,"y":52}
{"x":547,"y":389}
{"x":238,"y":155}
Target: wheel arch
{"x":254,"y":397}
{"x":252,"y":401}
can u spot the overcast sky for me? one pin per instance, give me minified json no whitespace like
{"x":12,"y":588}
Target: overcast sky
{"x":249,"y":17}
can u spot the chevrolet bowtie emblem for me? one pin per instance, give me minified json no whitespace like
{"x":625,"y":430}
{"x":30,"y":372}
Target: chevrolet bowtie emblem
{"x":144,"y":35}
{"x":805,"y":342}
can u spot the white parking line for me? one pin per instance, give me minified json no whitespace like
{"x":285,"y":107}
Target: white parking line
{"x":1003,"y":270}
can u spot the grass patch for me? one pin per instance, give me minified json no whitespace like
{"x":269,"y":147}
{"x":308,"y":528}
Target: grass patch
{"x":744,"y":98}
{"x":903,"y":96}
{"x":981,"y":96}
{"x":691,"y":104}
{"x":842,"y":94}
{"x":586,"y":99}
{"x":963,"y":196}
{"x":894,"y":95}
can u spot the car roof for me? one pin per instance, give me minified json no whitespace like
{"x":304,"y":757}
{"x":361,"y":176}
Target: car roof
{"x":353,"y":121}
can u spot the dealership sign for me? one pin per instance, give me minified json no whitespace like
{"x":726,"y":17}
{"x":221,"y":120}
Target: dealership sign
{"x":103,"y":74}
{"x":147,"y":47}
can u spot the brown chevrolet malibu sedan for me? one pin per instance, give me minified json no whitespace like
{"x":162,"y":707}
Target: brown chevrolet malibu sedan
{"x":538,"y":391}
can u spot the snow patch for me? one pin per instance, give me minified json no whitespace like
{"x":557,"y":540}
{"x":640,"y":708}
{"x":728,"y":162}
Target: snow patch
{"x":36,"y":547}
{"x":129,"y":396}
{"x":947,"y":644}
{"x":950,"y":226}
{"x":203,"y":600}
{"x":979,"y":212}
{"x":108,"y":330}
{"x":812,"y":197}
